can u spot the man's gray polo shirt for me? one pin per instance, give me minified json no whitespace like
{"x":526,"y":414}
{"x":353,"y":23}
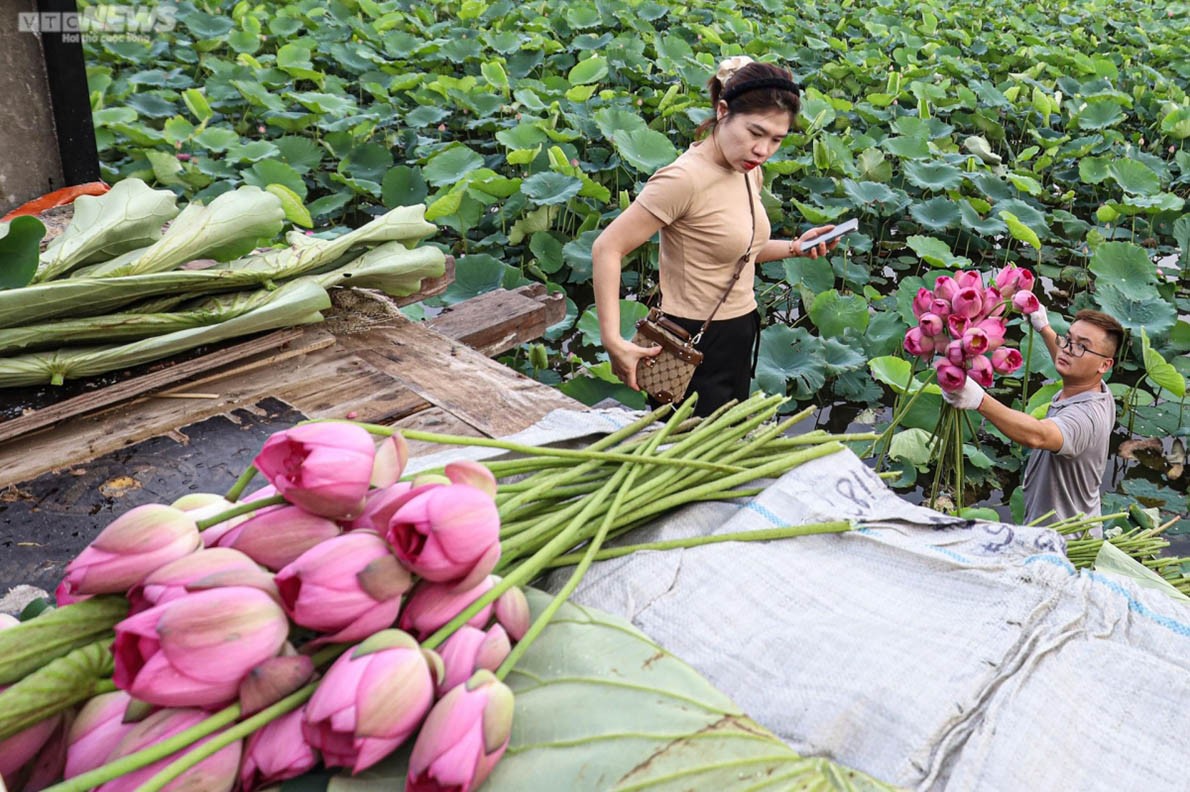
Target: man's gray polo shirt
{"x":1068,"y":481}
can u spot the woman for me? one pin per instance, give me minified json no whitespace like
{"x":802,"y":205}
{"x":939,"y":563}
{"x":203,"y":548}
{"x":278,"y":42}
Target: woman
{"x":706,"y":205}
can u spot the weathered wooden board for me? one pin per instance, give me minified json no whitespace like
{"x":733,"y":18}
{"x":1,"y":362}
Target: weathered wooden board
{"x":500,"y":320}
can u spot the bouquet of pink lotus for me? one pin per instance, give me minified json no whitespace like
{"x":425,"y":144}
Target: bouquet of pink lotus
{"x":960,"y":330}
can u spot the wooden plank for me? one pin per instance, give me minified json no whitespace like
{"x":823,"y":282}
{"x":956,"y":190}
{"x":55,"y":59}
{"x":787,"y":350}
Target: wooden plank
{"x":481,"y":392}
{"x":431,"y":287}
{"x":499,"y":320}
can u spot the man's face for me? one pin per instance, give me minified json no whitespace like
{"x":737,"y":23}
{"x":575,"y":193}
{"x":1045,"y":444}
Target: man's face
{"x":1097,"y":358}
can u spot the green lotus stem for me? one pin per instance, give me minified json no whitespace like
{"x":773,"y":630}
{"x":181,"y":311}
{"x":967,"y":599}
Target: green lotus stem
{"x":53,"y":688}
{"x":30,"y":645}
{"x":766,"y":534}
{"x":896,"y":420}
{"x":1025,"y":376}
{"x":809,"y":439}
{"x":240,"y":484}
{"x":238,"y":509}
{"x":957,"y":421}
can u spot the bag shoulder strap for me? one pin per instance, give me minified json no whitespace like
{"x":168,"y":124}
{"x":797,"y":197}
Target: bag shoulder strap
{"x":739,"y":266}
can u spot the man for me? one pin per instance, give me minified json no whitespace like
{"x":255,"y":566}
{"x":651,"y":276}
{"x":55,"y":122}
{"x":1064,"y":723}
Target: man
{"x":1064,"y":472}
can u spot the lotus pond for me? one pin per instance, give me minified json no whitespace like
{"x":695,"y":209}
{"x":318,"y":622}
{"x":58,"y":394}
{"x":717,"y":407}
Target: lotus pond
{"x":963,"y":135}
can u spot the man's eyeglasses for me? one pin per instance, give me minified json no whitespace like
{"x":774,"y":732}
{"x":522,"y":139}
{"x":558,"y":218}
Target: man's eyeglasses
{"x":1077,"y":348}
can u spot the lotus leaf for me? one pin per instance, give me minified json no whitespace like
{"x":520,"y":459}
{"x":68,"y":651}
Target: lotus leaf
{"x":644,"y":149}
{"x":789,"y":356}
{"x":1127,"y":268}
{"x":937,"y":214}
{"x":934,"y":175}
{"x":1161,"y":373}
{"x":936,"y":252}
{"x":833,"y":313}
{"x":1134,"y":177}
{"x":20,"y":244}
{"x":1135,"y":313}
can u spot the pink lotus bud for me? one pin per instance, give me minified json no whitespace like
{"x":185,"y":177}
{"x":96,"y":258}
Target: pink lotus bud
{"x":322,"y":467}
{"x":967,"y":303}
{"x":96,"y":732}
{"x":1025,"y":302}
{"x":916,"y":343}
{"x":379,"y":508}
{"x":1025,"y":279}
{"x":994,"y":329}
{"x":447,"y":534}
{"x":463,"y":738}
{"x":466,"y":471}
{"x":128,"y":549}
{"x":371,"y":700}
{"x":974,"y":341}
{"x":945,"y":288}
{"x":957,"y":325}
{"x":275,"y":536}
{"x":969,"y":279}
{"x":469,"y":649}
{"x":993,"y":302}
{"x":1012,"y":279}
{"x":432,"y":605}
{"x":216,"y":773}
{"x":212,"y":568}
{"x":392,"y":454}
{"x":196,"y":650}
{"x":940,"y":307}
{"x":425,"y":479}
{"x":981,"y":371}
{"x":955,"y":354}
{"x":941,"y":342}
{"x":950,"y":376}
{"x":1006,"y":360}
{"x":350,"y":586}
{"x":512,"y":613}
{"x":212,"y":534}
{"x":37,"y":751}
{"x":922,"y":302}
{"x":930,"y":324}
{"x":276,"y":752}
{"x":273,"y":680}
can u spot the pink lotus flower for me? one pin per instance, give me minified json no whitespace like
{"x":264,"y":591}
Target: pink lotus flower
{"x":981,"y":371}
{"x":975,"y":342}
{"x":463,"y":738}
{"x":1025,"y":302}
{"x":1012,"y":279}
{"x":213,"y":568}
{"x":993,"y":303}
{"x":512,"y":613}
{"x":922,"y":301}
{"x":994,"y":329}
{"x":957,"y":325}
{"x":466,"y":471}
{"x":277,"y":752}
{"x":32,"y":758}
{"x":469,"y":649}
{"x":969,"y":279}
{"x":917,"y":343}
{"x":324,"y":467}
{"x":379,"y":508}
{"x":216,"y":773}
{"x":945,"y":288}
{"x":392,"y":454}
{"x":96,"y":732}
{"x":432,"y":605}
{"x":350,"y":586}
{"x":275,"y":536}
{"x":930,"y":324}
{"x":955,"y":354}
{"x":1006,"y":360}
{"x":212,"y":534}
{"x":128,"y":549}
{"x":940,"y":307}
{"x":371,"y":700}
{"x":196,"y":650}
{"x":273,"y":680}
{"x":967,"y":303}
{"x":950,"y":376}
{"x":447,"y":534}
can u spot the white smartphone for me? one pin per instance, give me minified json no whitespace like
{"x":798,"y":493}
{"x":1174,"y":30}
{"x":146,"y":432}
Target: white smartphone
{"x":846,"y":227}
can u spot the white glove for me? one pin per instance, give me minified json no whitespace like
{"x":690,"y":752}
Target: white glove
{"x":1039,"y":319}
{"x":968,"y":397}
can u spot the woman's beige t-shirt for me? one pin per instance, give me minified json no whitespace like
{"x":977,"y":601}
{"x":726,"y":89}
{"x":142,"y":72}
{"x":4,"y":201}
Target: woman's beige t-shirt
{"x":707,"y":225}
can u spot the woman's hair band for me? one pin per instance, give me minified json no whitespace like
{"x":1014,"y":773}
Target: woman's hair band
{"x":736,"y":89}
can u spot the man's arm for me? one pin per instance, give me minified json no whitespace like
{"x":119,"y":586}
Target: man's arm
{"x":1019,"y":427}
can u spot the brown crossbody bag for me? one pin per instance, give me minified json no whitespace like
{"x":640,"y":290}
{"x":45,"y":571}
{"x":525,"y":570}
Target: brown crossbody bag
{"x":667,"y":375}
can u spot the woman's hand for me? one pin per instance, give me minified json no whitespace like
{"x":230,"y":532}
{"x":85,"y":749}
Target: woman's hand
{"x":624,"y":357}
{"x":805,"y":243}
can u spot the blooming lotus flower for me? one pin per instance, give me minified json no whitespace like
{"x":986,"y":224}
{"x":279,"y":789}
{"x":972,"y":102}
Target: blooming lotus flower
{"x":512,"y":613}
{"x":463,"y":738}
{"x":275,"y":536}
{"x":134,"y":544}
{"x":325,"y":468}
{"x":432,"y":605}
{"x":922,"y":301}
{"x":1006,"y":360}
{"x":210,"y":568}
{"x":379,"y":507}
{"x":974,"y":341}
{"x":469,"y":649}
{"x":276,"y":752}
{"x":994,"y":329}
{"x":981,"y":371}
{"x":96,"y":732}
{"x":33,"y":757}
{"x":940,"y":307}
{"x":957,"y":325}
{"x":350,"y":586}
{"x":917,"y":343}
{"x":1025,"y":302}
{"x":447,"y":534}
{"x":371,"y":700}
{"x":930,"y":324}
{"x":967,"y":303}
{"x":216,"y":773}
{"x":969,"y":279}
{"x":945,"y":288}
{"x":955,"y":354}
{"x":392,"y":454}
{"x":196,"y":650}
{"x":950,"y":376}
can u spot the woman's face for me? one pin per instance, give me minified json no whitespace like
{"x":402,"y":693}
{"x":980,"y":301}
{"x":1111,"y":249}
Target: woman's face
{"x":746,"y":140}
